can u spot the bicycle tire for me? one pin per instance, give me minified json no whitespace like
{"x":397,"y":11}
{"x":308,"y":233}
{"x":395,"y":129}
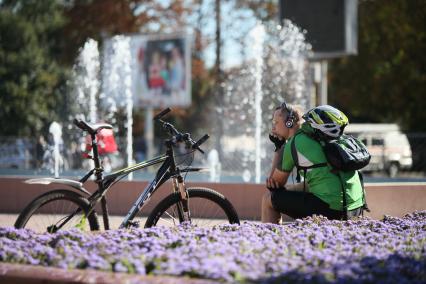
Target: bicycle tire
{"x":205,"y":194}
{"x":76,"y":201}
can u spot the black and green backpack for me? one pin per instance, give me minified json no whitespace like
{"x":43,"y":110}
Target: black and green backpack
{"x":343,"y":154}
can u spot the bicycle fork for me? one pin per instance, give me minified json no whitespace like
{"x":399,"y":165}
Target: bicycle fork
{"x":183,"y":205}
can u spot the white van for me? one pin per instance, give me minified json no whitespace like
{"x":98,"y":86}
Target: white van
{"x":389,"y":147}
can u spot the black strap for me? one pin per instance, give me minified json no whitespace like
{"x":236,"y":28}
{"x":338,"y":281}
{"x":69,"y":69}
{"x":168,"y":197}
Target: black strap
{"x":364,"y":195}
{"x":345,"y":202}
{"x":296,"y":159}
{"x":298,"y":166}
{"x":364,"y":199}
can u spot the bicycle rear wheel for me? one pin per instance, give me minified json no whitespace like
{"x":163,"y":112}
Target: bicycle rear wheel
{"x":207,"y":208}
{"x":50,"y":210}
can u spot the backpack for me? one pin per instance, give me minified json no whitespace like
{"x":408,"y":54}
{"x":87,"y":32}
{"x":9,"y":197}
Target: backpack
{"x":343,"y":154}
{"x":346,"y":153}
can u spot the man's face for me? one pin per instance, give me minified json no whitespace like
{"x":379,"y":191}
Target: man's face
{"x":278,"y":127}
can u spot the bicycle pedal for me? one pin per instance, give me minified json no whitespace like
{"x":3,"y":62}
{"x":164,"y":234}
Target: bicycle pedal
{"x":133,"y":224}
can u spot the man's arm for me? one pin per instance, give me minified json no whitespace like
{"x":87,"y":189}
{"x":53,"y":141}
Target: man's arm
{"x":272,"y":182}
{"x":277,"y":160}
{"x":279,"y":178}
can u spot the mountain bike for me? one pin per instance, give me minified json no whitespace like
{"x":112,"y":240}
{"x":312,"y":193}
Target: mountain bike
{"x":74,"y":206}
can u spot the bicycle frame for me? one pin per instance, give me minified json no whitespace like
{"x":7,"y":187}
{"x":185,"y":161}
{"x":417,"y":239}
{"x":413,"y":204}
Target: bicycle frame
{"x":167,"y":170}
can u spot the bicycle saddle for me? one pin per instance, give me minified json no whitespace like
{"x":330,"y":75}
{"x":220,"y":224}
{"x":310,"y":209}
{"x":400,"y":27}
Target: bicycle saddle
{"x":91,"y":128}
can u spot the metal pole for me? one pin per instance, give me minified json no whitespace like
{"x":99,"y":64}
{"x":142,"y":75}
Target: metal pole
{"x":324,"y":83}
{"x":149,"y":132}
{"x":258,"y":34}
{"x":315,"y":96}
{"x":129,"y":110}
{"x":129,"y":99}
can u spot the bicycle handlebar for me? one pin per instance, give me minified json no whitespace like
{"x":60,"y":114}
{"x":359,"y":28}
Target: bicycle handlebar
{"x":162,"y":113}
{"x":201,"y":140}
{"x":178,"y":136}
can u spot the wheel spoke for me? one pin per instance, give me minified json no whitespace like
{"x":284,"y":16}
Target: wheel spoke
{"x":171,"y":217}
{"x":207,"y":208}
{"x":50,"y":212}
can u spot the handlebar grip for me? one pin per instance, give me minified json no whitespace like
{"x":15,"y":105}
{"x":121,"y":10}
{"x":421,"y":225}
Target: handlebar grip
{"x":201,"y":141}
{"x":162,"y":113}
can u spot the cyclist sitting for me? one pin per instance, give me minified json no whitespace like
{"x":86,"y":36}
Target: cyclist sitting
{"x":322,"y":194}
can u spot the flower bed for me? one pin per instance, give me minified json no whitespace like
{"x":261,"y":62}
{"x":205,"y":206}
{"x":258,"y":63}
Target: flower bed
{"x":392,"y":250}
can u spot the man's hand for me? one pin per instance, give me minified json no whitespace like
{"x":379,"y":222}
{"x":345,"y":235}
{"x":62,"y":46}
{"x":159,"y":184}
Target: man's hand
{"x":271,"y":184}
{"x":277,"y":142}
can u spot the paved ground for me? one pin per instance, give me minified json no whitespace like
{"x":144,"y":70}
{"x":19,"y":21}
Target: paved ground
{"x":7,"y":220}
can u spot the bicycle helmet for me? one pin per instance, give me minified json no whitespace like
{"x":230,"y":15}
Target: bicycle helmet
{"x":328,"y":120}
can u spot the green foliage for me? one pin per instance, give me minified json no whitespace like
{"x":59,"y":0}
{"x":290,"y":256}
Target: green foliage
{"x":100,"y":19}
{"x":39,"y":40}
{"x":29,"y":74}
{"x":386,"y":81}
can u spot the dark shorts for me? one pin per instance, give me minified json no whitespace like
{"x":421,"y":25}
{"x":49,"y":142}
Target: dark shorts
{"x":297,"y":204}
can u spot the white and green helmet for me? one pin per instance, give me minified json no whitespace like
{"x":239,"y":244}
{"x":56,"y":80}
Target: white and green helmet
{"x":328,"y":120}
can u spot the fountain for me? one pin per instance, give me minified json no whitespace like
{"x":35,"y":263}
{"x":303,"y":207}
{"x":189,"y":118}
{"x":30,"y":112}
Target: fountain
{"x":85,"y":87}
{"x":56,"y":142}
{"x":117,"y":85}
{"x":86,"y":80}
{"x":214,"y":165}
{"x":99,"y":106}
{"x":258,"y":35}
{"x":278,"y":71}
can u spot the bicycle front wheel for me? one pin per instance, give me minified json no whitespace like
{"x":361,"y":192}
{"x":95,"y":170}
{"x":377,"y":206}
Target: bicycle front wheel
{"x":207,"y":208}
{"x":58,"y":210}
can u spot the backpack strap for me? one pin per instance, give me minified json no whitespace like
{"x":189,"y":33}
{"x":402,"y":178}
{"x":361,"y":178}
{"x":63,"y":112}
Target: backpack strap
{"x":298,"y":166}
{"x":345,"y":203}
{"x":296,"y":160}
{"x":364,"y":198}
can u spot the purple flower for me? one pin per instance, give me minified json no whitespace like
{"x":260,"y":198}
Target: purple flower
{"x":308,"y":250}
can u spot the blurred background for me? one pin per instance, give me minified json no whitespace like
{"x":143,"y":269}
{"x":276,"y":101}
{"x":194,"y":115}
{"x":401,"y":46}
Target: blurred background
{"x":221,"y":65}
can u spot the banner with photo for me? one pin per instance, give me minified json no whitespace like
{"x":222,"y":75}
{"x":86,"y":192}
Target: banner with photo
{"x":161,"y":74}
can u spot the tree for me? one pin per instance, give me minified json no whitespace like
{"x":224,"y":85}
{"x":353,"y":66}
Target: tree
{"x":30,"y":78}
{"x":264,"y":11}
{"x":97,"y":19}
{"x":40,"y":41}
{"x":386,"y":81}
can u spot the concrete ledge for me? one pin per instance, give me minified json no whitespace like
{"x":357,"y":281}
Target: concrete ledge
{"x":27,"y":274}
{"x":395,"y":199}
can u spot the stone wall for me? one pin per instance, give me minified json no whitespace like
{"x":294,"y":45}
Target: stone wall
{"x":395,"y":199}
